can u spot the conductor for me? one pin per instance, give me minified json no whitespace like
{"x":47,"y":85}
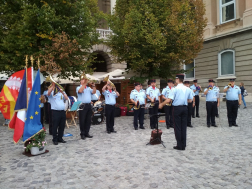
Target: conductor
{"x":180,"y":96}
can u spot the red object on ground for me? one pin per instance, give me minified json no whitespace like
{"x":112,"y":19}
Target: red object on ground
{"x":123,"y":111}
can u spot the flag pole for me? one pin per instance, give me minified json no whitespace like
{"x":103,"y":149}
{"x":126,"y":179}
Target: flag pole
{"x":26,"y":64}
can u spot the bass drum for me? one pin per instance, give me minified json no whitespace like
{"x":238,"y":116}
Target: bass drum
{"x":97,"y":119}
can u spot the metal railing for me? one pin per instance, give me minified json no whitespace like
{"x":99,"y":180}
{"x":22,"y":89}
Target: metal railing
{"x":103,"y":33}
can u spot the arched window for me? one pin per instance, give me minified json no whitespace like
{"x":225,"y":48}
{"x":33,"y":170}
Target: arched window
{"x":226,"y":63}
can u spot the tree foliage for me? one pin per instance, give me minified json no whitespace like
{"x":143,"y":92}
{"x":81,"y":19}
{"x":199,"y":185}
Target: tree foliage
{"x":27,"y":27}
{"x":155,"y":37}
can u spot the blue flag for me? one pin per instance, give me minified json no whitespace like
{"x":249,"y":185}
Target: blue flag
{"x":32,"y":123}
{"x":21,"y":102}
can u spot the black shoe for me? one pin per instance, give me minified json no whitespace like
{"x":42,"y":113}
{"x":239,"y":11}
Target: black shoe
{"x":208,"y":125}
{"x":62,"y":141}
{"x":142,"y":127}
{"x":198,"y":116}
{"x":245,"y":107}
{"x":193,"y":116}
{"x":214,"y":126}
{"x":113,"y":131}
{"x":83,"y":137}
{"x":235,"y":125}
{"x":108,"y":132}
{"x":88,"y":136}
{"x":230,"y":125}
{"x":136,"y":128}
{"x":168,"y":127}
{"x":217,"y":116}
{"x":55,"y":142}
{"x":171,"y":126}
{"x":177,"y":148}
{"x":50,"y":133}
{"x":189,"y":126}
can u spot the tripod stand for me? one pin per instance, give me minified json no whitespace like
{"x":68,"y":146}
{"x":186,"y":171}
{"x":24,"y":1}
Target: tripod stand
{"x":157,"y":139}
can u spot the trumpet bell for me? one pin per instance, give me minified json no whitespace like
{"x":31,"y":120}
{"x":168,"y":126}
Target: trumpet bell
{"x":137,"y":106}
{"x":57,"y":86}
{"x":106,"y":79}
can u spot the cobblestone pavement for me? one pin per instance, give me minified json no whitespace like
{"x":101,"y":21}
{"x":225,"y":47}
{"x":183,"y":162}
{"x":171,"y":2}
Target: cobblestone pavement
{"x":214,"y":158}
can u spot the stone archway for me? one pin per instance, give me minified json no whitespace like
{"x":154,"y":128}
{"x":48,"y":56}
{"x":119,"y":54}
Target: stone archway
{"x":104,"y":53}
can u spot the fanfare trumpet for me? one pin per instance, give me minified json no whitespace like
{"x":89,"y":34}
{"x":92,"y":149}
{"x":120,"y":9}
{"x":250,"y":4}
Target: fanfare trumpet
{"x":198,"y":88}
{"x":210,"y":87}
{"x":136,"y":107}
{"x":153,"y":103}
{"x":169,"y":104}
{"x":229,"y":85}
{"x":106,"y":79}
{"x":57,"y":86}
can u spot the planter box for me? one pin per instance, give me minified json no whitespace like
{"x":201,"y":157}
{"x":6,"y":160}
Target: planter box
{"x":36,"y":150}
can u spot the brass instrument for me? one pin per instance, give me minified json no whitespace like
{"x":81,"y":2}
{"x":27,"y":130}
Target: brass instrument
{"x":137,"y":106}
{"x":229,"y":85}
{"x":210,"y":87}
{"x":169,"y":104}
{"x":42,"y":99}
{"x":57,"y":86}
{"x":153,"y":103}
{"x":106,"y":79}
{"x":199,"y":88}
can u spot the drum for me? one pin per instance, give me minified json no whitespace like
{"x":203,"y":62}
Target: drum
{"x":68,"y":103}
{"x":97,"y":118}
{"x":98,"y":106}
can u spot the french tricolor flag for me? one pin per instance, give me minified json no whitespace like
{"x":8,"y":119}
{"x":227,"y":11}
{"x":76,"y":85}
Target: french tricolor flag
{"x":18,"y":120}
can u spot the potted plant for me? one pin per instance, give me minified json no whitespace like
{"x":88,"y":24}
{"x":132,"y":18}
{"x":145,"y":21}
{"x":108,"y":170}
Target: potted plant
{"x":36,"y":144}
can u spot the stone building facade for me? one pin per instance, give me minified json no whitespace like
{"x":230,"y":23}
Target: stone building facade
{"x":227,"y":48}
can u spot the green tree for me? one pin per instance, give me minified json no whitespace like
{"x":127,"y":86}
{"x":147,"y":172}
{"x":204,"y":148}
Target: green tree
{"x":155,"y":37}
{"x":27,"y":27}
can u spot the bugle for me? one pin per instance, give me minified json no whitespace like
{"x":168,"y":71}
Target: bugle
{"x":229,"y":85}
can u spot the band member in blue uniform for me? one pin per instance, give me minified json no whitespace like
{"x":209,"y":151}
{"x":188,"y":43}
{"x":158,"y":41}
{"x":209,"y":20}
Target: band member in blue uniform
{"x":212,"y":102}
{"x":153,"y":94}
{"x":196,"y":89}
{"x":84,"y":95}
{"x":137,"y":97}
{"x":190,"y":106}
{"x":96,"y":97}
{"x":180,"y":97}
{"x":110,"y":101}
{"x":58,"y":113}
{"x":233,"y":96}
{"x":168,"y":108}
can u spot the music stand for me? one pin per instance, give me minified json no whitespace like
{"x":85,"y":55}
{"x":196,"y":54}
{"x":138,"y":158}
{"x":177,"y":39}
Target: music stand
{"x":73,"y":112}
{"x":157,"y":139}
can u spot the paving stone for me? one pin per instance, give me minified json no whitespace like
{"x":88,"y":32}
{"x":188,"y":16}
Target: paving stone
{"x":214,"y":158}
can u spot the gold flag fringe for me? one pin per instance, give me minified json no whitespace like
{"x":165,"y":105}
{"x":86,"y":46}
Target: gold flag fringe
{"x":34,"y":135}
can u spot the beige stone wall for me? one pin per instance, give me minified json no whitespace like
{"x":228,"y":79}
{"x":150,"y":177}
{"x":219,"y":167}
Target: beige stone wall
{"x":214,"y":28}
{"x":207,"y":60}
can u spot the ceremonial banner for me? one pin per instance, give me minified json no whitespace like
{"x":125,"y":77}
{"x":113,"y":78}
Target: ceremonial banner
{"x":18,"y":120}
{"x":9,"y":93}
{"x":32,"y":123}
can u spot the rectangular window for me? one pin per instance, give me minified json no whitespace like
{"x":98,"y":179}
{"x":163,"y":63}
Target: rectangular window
{"x":226,"y":63}
{"x":227,"y":10}
{"x":191,"y":72}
